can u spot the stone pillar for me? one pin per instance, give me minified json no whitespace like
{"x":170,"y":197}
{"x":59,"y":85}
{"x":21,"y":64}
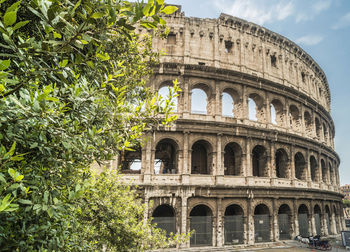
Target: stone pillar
{"x":272,"y":162}
{"x":218,"y":101}
{"x":186,"y":99}
{"x":308,"y":166}
{"x":313,"y":223}
{"x":334,"y":224}
{"x":219,"y":163}
{"x":292,"y":165}
{"x":296,"y":221}
{"x":245,"y":110}
{"x":275,"y":228}
{"x":250,"y":223}
{"x":268,"y":117}
{"x":324,"y":228}
{"x":185,"y":164}
{"x":219,"y":227}
{"x":248,"y":166}
{"x":184,"y":219}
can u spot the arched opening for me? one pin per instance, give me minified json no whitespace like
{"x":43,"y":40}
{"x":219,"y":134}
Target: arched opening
{"x":284,"y":220}
{"x":282,"y":164}
{"x":328,"y":219}
{"x":317,"y":217}
{"x":262,"y":223}
{"x":201,"y":157}
{"x":324,"y":171}
{"x":233,"y":225}
{"x":201,"y":223}
{"x":332,"y":174}
{"x":308,"y":123}
{"x":164,"y":217}
{"x":259,"y":159}
{"x":165,"y":159}
{"x":325,"y":133}
{"x":199,"y":101}
{"x":227,"y":105}
{"x":300,"y":166}
{"x":294,"y":117}
{"x":255,"y":108}
{"x":165,"y":92}
{"x":303,"y":219}
{"x":314,"y":169}
{"x":131,"y":161}
{"x":277,"y":113}
{"x":232,"y":159}
{"x":334,"y":215}
{"x":318,"y":128}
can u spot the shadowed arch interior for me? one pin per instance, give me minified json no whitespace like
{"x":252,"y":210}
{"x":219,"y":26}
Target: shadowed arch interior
{"x":232,"y":159}
{"x":282,"y":164}
{"x":201,"y":223}
{"x":201,"y":157}
{"x":259,"y":159}
{"x":314,"y":169}
{"x":233,"y":224}
{"x":165,"y":159}
{"x":262,"y":223}
{"x":300,"y":166}
{"x":284,"y":222}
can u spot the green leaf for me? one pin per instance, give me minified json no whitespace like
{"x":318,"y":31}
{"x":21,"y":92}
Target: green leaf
{"x":10,"y":18}
{"x":4,"y":64}
{"x":14,"y":6}
{"x":25,"y":202}
{"x":2,"y":178}
{"x":98,"y":15}
{"x":12,"y":173}
{"x":20,"y":24}
{"x":19,"y":178}
{"x":169,"y":10}
{"x":50,"y":212}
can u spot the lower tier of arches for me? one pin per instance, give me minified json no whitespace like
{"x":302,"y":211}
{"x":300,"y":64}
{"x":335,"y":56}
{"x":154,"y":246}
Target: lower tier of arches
{"x":242,"y":217}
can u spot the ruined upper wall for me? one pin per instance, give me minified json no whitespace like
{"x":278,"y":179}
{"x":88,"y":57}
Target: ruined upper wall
{"x":232,"y":43}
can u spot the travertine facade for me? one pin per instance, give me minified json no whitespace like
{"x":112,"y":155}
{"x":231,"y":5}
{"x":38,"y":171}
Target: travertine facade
{"x":232,"y":178}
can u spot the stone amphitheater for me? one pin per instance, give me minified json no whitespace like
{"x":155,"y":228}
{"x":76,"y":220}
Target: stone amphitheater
{"x":256,"y":162}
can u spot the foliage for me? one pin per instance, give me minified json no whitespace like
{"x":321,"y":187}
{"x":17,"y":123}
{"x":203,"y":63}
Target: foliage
{"x":72,"y":87}
{"x":346,"y":202}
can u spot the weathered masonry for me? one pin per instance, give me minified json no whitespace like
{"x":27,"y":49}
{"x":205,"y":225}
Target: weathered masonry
{"x":251,"y":158}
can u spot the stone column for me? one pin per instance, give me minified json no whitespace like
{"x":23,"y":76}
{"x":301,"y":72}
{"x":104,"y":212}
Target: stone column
{"x":324,"y":228}
{"x":250,"y":222}
{"x":186,"y":99}
{"x":185,"y":163}
{"x":184,"y":219}
{"x":248,"y":167}
{"x":292,"y":165}
{"x":219,"y":164}
{"x":267,"y":109}
{"x":272,"y":162}
{"x":219,"y":227}
{"x":296,"y":221}
{"x":308,"y":165}
{"x":313,"y":223}
{"x":245,"y":110}
{"x":275,"y":228}
{"x":218,"y":101}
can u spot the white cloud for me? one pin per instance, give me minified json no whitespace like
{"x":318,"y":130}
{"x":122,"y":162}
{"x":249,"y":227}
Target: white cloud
{"x":343,"y":22}
{"x":309,"y":40}
{"x":257,"y":11}
{"x":310,"y":12}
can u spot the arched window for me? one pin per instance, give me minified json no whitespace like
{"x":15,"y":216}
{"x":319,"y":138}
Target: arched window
{"x":199,"y":101}
{"x":227,"y":105}
{"x":164,"y":217}
{"x":233,"y":225}
{"x":300,"y":166}
{"x":308,"y":123}
{"x":282,"y":164}
{"x":332,"y":174}
{"x":328,"y":219}
{"x":259,"y":158}
{"x":201,"y":223}
{"x":262,"y":223}
{"x":314,"y":169}
{"x":131,"y":162}
{"x":303,"y":218}
{"x":317,"y":216}
{"x":284,"y":222}
{"x":324,"y":171}
{"x":255,"y":107}
{"x":318,"y":128}
{"x":165,"y":92}
{"x":277,"y":113}
{"x":252,"y":109}
{"x":232,"y":159}
{"x":201,"y":157}
{"x":294,"y":116}
{"x":325,"y":132}
{"x":165,"y":159}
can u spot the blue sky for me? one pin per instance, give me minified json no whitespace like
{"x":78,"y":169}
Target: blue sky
{"x":320,"y":27}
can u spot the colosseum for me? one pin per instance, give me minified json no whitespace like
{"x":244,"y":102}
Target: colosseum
{"x":251,"y":157}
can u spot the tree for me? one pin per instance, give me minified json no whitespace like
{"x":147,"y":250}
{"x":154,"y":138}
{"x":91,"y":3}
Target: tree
{"x":72,"y":87}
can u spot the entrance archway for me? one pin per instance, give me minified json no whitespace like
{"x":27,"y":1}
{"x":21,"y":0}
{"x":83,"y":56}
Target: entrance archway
{"x":233,"y":225}
{"x":164,"y":217}
{"x":284,"y":219}
{"x":303,"y":219}
{"x":317,"y":217}
{"x":201,"y":223}
{"x":262,"y":223}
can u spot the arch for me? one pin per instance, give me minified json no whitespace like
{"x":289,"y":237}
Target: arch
{"x":332,"y":174}
{"x":229,"y":101}
{"x":303,"y":219}
{"x":164,"y":218}
{"x":324,"y":171}
{"x":328,"y":219}
{"x":233,"y":224}
{"x":262,"y":223}
{"x":314,"y":169}
{"x":282,"y":163}
{"x":300,"y":166}
{"x":131,"y":161}
{"x":317,"y":128}
{"x":317,"y":217}
{"x":166,"y":157}
{"x":259,"y":160}
{"x":201,"y":223}
{"x":294,"y":115}
{"x":284,"y":222}
{"x":255,"y":107}
{"x":277,"y":113}
{"x":201,"y":157}
{"x":232,"y":159}
{"x":199,"y":101}
{"x":164,"y":91}
{"x":308,"y":123}
{"x":325,"y":133}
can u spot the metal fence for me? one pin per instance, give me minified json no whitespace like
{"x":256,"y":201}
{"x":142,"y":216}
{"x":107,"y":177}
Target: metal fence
{"x":202,"y":226}
{"x":284,"y":226}
{"x":233,"y":229}
{"x":262,"y":227}
{"x":317,"y":223}
{"x":303,"y":224}
{"x":166,"y":223}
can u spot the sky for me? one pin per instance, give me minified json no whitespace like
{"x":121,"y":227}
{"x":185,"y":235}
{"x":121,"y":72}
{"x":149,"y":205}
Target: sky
{"x":320,"y":27}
